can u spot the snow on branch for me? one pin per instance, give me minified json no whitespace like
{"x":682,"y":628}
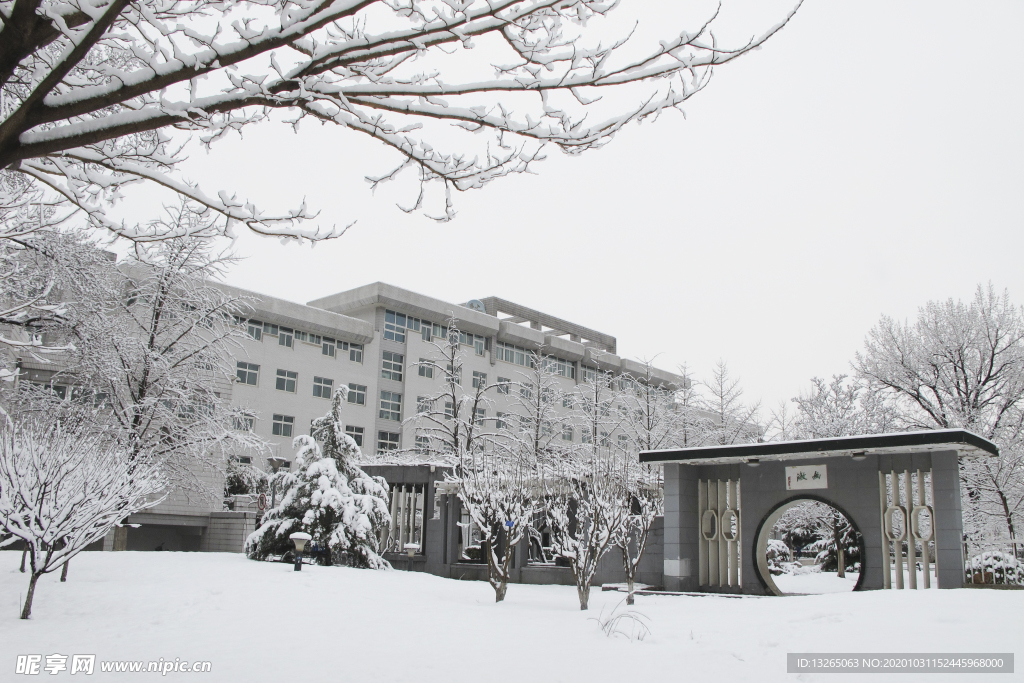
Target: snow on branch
{"x":92,"y":91}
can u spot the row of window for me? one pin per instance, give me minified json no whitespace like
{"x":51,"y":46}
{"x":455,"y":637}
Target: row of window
{"x":284,"y":425}
{"x":397,"y":326}
{"x":287,"y":336}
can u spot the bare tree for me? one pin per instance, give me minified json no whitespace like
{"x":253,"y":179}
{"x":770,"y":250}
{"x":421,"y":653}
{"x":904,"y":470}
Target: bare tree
{"x":496,"y":488}
{"x":63,"y":488}
{"x":157,"y":352}
{"x":840,"y":407}
{"x":451,"y":419}
{"x":538,"y":427}
{"x":960,"y":366}
{"x":92,"y":89}
{"x":653,"y":419}
{"x":734,"y":422}
{"x":585,"y":513}
{"x":499,"y":494}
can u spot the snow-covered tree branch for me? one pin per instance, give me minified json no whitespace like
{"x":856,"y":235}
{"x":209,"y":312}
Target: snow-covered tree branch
{"x":92,"y":90}
{"x":63,"y":487}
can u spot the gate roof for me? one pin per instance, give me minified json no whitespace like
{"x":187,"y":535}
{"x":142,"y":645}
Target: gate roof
{"x":965,"y":442}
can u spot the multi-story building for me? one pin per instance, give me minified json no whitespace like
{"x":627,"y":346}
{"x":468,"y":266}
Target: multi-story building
{"x":368,"y":342}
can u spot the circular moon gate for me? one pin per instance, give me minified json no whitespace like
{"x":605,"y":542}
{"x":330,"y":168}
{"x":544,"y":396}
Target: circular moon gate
{"x":765,"y":530}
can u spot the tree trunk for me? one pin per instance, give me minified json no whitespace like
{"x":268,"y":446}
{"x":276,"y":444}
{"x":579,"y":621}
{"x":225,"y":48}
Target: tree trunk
{"x":629,"y":590}
{"x":64,"y":571}
{"x":840,"y":556}
{"x":583,"y":589}
{"x":27,"y":609}
{"x":498,"y":579}
{"x":24,"y":552}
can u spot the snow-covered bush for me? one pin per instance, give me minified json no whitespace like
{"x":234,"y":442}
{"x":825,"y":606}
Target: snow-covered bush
{"x":778,"y":556}
{"x":996,"y":567}
{"x":330,"y":498}
{"x":243,"y":478}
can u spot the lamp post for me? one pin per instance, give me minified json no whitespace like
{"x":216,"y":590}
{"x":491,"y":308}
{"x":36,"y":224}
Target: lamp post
{"x":299,"y":538}
{"x":275,"y":463}
{"x":410,"y":551}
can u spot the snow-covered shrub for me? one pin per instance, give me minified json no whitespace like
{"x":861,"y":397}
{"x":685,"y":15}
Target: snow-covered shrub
{"x":996,"y":567}
{"x":243,"y":478}
{"x":330,"y":498}
{"x":778,"y":556}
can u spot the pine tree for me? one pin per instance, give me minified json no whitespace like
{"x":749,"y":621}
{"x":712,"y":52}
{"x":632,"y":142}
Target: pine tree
{"x":330,"y":498}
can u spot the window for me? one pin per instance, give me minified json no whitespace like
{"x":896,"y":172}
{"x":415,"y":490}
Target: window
{"x":449,"y":410}
{"x":244,"y":460}
{"x":270,"y":329}
{"x":514,"y":354}
{"x":247,"y":373}
{"x":423,"y":445}
{"x":589,"y":374}
{"x":285,"y":337}
{"x":479,"y":380}
{"x":322,"y":387}
{"x":286,"y":380}
{"x":301,"y":336}
{"x":425,"y":332}
{"x":479,"y":415}
{"x":396,"y":324}
{"x":243,"y":422}
{"x":478,"y":345}
{"x":605,"y":441}
{"x":422,"y":404}
{"x":566,"y":433}
{"x":355,"y":353}
{"x":283,"y":425}
{"x":526,"y":391}
{"x":392,"y":366}
{"x":387,"y":441}
{"x":254,"y":328}
{"x":499,"y":423}
{"x":391,"y":406}
{"x":328,"y":347}
{"x":567,"y":402}
{"x":356,"y":433}
{"x":561,"y":367}
{"x":503,"y":385}
{"x":454,"y":374}
{"x":357,"y":394}
{"x":623,"y":442}
{"x":586,"y":436}
{"x":426,"y":370}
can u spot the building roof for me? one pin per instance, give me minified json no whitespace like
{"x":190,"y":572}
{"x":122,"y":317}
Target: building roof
{"x":967,"y":443}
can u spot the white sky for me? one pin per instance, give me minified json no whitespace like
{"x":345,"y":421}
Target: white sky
{"x":861,"y":163}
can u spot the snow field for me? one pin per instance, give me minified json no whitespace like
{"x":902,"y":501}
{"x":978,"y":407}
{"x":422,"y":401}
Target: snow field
{"x":260,"y":621}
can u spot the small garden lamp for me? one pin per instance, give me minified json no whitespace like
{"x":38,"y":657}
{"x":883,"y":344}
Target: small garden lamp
{"x":411,"y":549}
{"x":299,"y":538}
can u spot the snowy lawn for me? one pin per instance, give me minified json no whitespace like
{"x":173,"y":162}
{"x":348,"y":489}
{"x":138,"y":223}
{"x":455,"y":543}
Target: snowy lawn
{"x":263,"y":622}
{"x":811,"y":582}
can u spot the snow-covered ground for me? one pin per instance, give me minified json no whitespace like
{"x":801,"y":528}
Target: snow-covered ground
{"x":812,"y":582}
{"x":264,"y":622}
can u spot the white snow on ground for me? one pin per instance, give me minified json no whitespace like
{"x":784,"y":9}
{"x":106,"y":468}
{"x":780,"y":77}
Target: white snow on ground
{"x":815,"y":582}
{"x":264,"y":622}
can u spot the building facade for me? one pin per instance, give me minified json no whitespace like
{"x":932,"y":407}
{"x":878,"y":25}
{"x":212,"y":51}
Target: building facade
{"x":367,"y":342}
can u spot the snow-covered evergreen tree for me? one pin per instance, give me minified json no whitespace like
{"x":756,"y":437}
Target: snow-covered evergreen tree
{"x":329,"y":497}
